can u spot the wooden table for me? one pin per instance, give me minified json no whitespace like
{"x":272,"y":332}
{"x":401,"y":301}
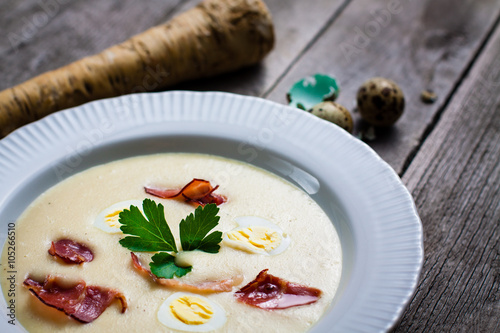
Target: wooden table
{"x":447,"y":153}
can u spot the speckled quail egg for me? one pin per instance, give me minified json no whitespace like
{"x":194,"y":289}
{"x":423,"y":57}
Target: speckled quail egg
{"x":380,"y":101}
{"x":334,"y":113}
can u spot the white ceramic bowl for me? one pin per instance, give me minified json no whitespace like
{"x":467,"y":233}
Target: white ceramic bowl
{"x":375,"y":217}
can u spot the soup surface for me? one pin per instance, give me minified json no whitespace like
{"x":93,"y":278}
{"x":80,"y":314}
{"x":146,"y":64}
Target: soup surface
{"x":69,"y":210}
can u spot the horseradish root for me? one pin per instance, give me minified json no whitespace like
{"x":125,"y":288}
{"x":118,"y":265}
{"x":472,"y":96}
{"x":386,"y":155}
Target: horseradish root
{"x":214,"y":37}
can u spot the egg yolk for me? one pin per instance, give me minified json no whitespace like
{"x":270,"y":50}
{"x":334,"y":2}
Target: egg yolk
{"x":191,"y":310}
{"x":111,"y":219}
{"x":256,"y":238}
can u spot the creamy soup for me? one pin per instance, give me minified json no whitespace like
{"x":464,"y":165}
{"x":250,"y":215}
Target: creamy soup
{"x":69,"y":210}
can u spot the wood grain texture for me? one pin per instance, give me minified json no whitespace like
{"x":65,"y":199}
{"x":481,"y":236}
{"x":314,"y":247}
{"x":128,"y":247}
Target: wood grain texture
{"x":459,"y":204}
{"x":42,"y":35}
{"x":69,"y":42}
{"x":418,"y":44}
{"x":297,"y":24}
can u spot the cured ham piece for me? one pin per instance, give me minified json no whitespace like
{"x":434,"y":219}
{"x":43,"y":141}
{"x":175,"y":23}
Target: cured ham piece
{"x":197,"y":191}
{"x":225,"y":285}
{"x":71,"y":252}
{"x":271,"y":292}
{"x":81,"y":302}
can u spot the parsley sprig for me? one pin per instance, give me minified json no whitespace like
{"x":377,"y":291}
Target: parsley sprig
{"x":151,"y":233}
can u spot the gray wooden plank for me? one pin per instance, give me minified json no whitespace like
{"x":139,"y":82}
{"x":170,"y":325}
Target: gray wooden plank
{"x":459,"y":204}
{"x":418,"y":44}
{"x":297,"y":24}
{"x":61,"y":41}
{"x":41,"y":35}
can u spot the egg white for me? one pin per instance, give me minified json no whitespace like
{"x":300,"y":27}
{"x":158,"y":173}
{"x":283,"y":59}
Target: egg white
{"x":100,"y":222}
{"x":166,"y":317}
{"x":254,"y":221}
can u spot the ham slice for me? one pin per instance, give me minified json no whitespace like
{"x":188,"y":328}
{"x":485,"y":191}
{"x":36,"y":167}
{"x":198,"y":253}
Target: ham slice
{"x":271,"y":292}
{"x":71,"y":252}
{"x":197,"y":191}
{"x":79,"y":301}
{"x":225,"y":285}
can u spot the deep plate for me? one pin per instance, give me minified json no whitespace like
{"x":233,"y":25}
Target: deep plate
{"x":375,"y":217}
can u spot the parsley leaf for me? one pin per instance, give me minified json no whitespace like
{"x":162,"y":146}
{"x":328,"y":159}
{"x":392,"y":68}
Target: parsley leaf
{"x":163,"y":266}
{"x":149,"y":235}
{"x":195,"y":227}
